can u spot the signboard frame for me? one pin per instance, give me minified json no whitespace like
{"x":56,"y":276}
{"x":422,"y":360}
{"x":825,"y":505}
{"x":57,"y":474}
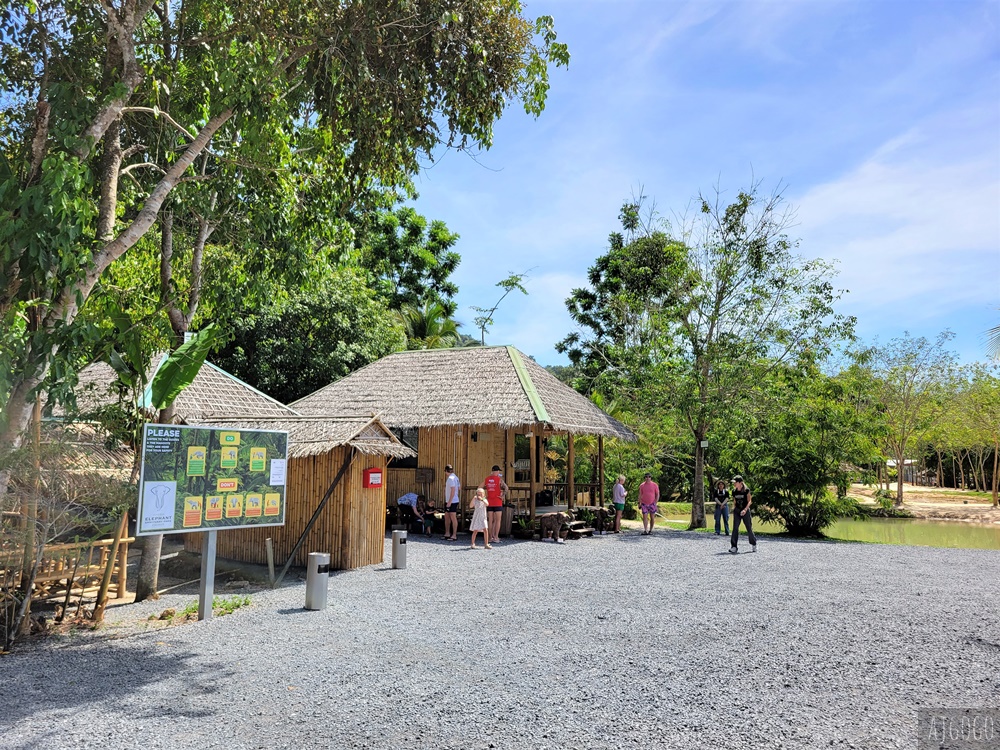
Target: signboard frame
{"x":163,"y":492}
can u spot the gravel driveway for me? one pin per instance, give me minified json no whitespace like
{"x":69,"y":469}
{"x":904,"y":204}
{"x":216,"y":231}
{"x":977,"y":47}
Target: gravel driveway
{"x":614,"y":642}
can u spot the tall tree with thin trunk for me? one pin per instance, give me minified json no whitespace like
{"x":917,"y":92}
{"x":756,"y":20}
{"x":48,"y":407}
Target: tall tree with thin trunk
{"x":691,"y":322}
{"x":911,"y":373}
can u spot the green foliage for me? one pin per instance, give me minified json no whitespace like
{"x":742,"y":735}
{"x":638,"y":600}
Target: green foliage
{"x":410,"y":260}
{"x":884,"y":498}
{"x":515,"y":281}
{"x":262,"y":123}
{"x":428,"y":326}
{"x":808,"y":440}
{"x":686,"y":326}
{"x":179,"y":369}
{"x":298,"y":345}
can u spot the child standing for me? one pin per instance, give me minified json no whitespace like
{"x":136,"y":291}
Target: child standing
{"x":428,"y":514}
{"x":479,"y":518}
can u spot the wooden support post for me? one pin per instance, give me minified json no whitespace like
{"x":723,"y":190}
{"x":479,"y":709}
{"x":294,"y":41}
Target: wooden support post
{"x":466,"y":432}
{"x":533,"y":473}
{"x":570,"y":466}
{"x":600,"y":469}
{"x":122,"y":568}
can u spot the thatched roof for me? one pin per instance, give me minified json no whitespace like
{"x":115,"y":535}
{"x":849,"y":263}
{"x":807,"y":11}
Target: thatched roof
{"x":82,"y":448}
{"x":493,"y":385}
{"x":213,"y":393}
{"x":312,"y":436}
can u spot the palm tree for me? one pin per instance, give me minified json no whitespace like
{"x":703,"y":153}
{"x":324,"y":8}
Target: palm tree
{"x":428,"y":326}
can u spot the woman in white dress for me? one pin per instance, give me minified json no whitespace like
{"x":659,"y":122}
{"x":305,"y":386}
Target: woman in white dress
{"x":479,"y":518}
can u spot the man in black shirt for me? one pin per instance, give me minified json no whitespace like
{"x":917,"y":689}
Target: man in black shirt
{"x":742,"y":499}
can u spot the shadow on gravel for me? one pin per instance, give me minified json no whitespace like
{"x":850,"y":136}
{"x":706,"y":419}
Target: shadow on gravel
{"x":62,"y":680}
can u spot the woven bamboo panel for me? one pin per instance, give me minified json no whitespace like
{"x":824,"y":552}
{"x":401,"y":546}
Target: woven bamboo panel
{"x":351,"y":527}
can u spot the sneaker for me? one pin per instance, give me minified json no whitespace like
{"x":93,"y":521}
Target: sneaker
{"x":753,"y":547}
{"x":733,"y":550}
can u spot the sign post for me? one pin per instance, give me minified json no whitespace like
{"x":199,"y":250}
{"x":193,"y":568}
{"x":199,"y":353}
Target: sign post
{"x":206,"y":591}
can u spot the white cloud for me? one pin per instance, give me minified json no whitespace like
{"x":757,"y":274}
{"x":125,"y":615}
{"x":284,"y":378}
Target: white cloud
{"x":915,"y":227}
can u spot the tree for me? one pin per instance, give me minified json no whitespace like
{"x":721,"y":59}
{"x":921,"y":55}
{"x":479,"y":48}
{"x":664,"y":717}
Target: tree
{"x":428,"y":326}
{"x":910,"y":372}
{"x":694,"y":323}
{"x":514,"y":281}
{"x":980,"y":405}
{"x":806,"y":436}
{"x":294,"y":347}
{"x":411,"y":260}
{"x":359,"y":89}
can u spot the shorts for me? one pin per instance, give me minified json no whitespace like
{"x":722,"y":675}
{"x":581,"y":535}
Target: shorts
{"x":619,"y":507}
{"x":453,"y":508}
{"x":494,"y":508}
{"x":650,"y":509}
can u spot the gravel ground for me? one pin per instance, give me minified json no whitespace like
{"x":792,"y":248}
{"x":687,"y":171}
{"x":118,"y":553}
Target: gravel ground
{"x":615,"y":642}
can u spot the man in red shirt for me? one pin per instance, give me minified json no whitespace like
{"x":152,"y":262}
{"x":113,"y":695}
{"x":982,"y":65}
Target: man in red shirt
{"x":495,"y":489}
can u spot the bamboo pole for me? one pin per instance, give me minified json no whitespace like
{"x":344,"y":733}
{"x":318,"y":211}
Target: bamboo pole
{"x":600,"y":473}
{"x":533,"y":476}
{"x":102,"y":592}
{"x":570,"y":473}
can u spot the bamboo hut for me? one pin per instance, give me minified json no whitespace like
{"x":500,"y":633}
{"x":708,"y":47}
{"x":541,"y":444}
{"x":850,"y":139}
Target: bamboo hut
{"x":328,"y":456}
{"x":473,"y":408}
{"x":352,"y":524}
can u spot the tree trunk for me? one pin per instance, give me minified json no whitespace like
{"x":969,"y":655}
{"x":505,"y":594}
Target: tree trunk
{"x":148,"y":575}
{"x":900,"y":468}
{"x":996,"y":484}
{"x":698,"y":489}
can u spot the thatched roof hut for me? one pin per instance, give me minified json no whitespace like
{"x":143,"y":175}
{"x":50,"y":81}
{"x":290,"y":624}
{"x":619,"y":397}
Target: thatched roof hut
{"x":488,"y":385}
{"x":468,"y":406}
{"x":213,"y":393}
{"x":352,"y":524}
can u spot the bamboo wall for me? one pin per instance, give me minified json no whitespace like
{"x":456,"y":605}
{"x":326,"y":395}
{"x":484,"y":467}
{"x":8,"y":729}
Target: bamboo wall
{"x":351,"y":527}
{"x":439,"y":446}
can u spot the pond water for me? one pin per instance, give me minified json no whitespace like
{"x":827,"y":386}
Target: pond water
{"x":911,"y":531}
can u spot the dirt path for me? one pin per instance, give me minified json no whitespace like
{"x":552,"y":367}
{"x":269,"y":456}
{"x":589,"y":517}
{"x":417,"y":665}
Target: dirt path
{"x":939,"y":503}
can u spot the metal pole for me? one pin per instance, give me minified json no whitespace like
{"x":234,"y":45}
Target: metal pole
{"x":206,"y":592}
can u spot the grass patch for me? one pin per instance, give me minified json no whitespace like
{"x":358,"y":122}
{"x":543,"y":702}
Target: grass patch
{"x":220,"y":606}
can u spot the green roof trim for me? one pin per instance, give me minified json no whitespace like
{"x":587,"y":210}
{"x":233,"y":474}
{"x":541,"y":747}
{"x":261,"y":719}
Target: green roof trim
{"x":529,"y":387}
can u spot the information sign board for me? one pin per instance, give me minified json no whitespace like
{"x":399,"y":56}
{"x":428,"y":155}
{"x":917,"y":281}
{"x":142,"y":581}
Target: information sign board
{"x":210,"y":478}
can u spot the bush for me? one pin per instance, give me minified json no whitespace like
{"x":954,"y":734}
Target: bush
{"x":885,"y":498}
{"x":804,"y":515}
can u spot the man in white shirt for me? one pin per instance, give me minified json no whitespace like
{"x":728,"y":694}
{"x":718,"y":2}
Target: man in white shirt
{"x":452,"y":497}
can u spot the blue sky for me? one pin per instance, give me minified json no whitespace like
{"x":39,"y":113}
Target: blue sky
{"x":880,"y":119}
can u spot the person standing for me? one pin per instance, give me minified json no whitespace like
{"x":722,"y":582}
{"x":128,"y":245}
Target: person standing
{"x":720,"y":494}
{"x":619,"y":494}
{"x":452,"y":497}
{"x":649,"y":496}
{"x":742,"y":500}
{"x":495,"y":489}
{"x":478,"y":522}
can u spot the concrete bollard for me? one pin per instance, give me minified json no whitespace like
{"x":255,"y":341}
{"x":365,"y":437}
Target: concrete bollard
{"x":317,"y":580}
{"x":398,"y":549}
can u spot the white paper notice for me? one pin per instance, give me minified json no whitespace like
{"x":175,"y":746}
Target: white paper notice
{"x":277,"y":472}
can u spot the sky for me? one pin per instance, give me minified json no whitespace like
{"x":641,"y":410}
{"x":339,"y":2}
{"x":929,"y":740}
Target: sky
{"x":878,"y":120}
